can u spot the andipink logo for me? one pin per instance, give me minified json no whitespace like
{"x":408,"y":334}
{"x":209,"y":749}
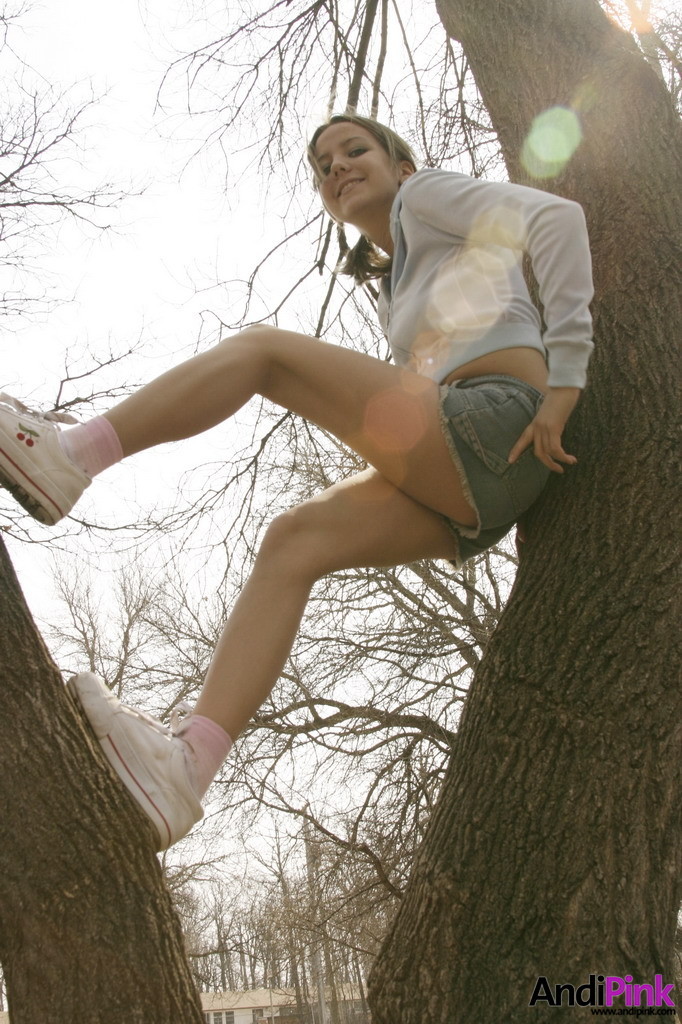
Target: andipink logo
{"x":604,"y":990}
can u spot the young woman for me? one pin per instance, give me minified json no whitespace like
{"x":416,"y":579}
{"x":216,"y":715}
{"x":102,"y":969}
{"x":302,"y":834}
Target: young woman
{"x":461,"y":432}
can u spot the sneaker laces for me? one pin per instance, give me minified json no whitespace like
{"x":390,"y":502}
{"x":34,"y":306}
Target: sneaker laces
{"x":179,"y":713}
{"x":51,"y":417}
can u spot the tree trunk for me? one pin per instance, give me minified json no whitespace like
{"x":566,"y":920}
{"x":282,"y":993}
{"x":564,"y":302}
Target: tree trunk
{"x":555,"y":848}
{"x":87,"y":930}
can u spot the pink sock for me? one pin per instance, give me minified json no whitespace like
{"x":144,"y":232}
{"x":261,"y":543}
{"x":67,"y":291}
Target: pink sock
{"x":209,"y":746}
{"x":92,"y":446}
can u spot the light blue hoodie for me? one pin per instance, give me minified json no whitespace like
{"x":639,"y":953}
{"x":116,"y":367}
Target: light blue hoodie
{"x":457,"y":291}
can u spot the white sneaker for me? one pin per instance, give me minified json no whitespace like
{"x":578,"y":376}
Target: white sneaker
{"x":33,"y":466}
{"x":148,"y":758}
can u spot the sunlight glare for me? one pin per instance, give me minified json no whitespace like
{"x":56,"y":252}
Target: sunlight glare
{"x":394,"y":420}
{"x":554,"y":136}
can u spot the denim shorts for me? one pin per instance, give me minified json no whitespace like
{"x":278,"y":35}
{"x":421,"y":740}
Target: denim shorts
{"x":483,"y":417}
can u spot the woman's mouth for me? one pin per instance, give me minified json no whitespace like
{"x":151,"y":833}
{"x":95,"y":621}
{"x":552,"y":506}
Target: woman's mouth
{"x":347,"y":185}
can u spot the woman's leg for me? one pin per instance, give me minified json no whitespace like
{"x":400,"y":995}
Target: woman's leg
{"x":361,"y":522}
{"x":390,"y":416}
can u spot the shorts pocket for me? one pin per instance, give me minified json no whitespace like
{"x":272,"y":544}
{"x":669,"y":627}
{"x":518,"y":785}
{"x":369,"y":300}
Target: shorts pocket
{"x":490,"y":422}
{"x":485,"y":422}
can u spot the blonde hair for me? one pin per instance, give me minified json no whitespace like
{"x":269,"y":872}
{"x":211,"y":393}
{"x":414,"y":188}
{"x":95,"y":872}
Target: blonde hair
{"x":364,"y":262}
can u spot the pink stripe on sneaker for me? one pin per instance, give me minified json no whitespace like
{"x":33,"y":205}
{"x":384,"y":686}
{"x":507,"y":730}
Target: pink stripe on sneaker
{"x":32,"y":482}
{"x":140,"y":787}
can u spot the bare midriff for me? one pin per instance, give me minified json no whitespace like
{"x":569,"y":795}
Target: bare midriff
{"x":525,"y":363}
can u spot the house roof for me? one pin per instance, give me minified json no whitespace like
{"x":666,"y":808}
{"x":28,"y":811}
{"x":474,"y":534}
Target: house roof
{"x":251,"y":1000}
{"x":260,"y":997}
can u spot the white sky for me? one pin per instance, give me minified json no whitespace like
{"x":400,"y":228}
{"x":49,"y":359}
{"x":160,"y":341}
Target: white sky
{"x":141,"y":279}
{"x":141,"y":276}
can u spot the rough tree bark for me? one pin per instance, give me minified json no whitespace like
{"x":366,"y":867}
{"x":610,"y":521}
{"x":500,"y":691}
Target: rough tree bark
{"x":87,"y":930}
{"x":555,"y":847}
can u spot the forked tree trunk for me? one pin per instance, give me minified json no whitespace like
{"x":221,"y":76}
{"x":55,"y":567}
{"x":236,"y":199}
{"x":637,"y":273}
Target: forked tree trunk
{"x":87,"y":930}
{"x":555,"y":849}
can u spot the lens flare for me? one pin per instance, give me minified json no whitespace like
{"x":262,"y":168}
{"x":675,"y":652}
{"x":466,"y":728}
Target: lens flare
{"x":552,"y":140}
{"x":395,"y":421}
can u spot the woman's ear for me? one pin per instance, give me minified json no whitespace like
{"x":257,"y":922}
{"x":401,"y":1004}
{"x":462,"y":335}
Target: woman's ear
{"x":406,"y":170}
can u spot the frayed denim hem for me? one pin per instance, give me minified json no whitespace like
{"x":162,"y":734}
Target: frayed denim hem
{"x":455,"y":528}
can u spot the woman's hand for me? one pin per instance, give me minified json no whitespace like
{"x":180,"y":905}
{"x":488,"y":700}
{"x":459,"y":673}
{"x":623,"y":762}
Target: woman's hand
{"x":544,"y":432}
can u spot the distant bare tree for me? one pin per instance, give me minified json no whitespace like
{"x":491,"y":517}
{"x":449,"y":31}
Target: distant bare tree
{"x":39,"y":129}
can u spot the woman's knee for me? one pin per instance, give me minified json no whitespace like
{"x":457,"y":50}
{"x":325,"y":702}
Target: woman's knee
{"x":255,"y":338}
{"x":254,"y":346}
{"x":295,"y":542}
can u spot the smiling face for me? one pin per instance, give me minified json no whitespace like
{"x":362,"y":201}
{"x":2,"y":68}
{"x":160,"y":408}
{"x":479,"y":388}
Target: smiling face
{"x":357,"y":179}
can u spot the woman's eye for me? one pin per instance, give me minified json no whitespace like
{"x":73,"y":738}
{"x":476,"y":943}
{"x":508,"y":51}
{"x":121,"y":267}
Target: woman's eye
{"x":325,"y":169}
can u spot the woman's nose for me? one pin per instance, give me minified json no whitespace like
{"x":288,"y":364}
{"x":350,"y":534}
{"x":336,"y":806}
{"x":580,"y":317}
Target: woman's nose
{"x":339,"y":163}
